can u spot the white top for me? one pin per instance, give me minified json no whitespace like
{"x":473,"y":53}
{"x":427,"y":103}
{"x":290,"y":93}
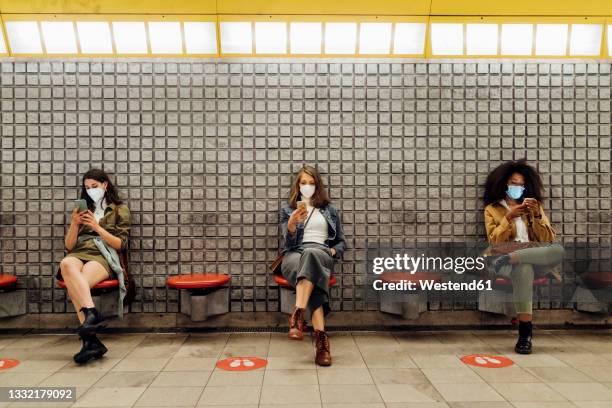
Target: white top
{"x":316,"y":230}
{"x":521,"y":229}
{"x":99,"y":210}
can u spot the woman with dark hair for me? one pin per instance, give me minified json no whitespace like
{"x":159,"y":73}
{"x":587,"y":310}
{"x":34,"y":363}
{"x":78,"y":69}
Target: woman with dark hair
{"x":516,"y":224}
{"x":313,"y":236}
{"x":93,"y":239}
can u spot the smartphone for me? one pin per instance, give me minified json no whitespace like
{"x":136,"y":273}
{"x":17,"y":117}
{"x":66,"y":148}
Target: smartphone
{"x":301,"y":204}
{"x":80,"y":204}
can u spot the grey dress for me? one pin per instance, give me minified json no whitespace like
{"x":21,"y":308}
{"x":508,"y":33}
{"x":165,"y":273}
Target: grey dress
{"x":311,"y":260}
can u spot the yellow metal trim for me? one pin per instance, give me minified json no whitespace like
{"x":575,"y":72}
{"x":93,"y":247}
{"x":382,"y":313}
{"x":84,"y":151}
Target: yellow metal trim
{"x":109,"y":6}
{"x":5,"y":35}
{"x":320,"y":7}
{"x":521,"y":8}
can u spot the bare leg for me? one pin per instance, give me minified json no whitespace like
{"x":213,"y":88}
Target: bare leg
{"x":71,"y":270}
{"x":303,"y":290}
{"x":94,"y":273}
{"x":318,"y":319}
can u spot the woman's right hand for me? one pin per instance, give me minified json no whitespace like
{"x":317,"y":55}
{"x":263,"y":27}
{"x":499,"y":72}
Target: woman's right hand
{"x":75,"y":218}
{"x":297,"y":216}
{"x":517,"y":211}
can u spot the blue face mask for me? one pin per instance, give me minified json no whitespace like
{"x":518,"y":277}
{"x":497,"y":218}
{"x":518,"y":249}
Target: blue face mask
{"x":515,"y":192}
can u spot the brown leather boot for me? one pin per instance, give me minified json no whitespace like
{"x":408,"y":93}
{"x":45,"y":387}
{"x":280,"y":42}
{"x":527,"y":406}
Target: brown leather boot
{"x":296,"y":324}
{"x":323,"y":356}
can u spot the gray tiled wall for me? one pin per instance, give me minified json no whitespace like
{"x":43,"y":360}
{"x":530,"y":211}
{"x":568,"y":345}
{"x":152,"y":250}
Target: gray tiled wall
{"x":204,"y":153}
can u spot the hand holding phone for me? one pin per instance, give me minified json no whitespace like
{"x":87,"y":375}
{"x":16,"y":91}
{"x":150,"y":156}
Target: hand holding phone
{"x":531,"y":204}
{"x":80,"y":206}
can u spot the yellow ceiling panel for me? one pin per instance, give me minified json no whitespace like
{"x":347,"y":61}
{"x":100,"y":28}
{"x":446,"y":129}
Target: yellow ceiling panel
{"x":521,"y":8}
{"x":108,"y":6}
{"x":325,"y":7}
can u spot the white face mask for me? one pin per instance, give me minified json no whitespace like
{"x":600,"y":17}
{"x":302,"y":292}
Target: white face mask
{"x":96,"y":194}
{"x":307,"y":190}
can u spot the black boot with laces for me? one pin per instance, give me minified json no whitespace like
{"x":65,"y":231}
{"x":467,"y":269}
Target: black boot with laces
{"x":523,"y":345}
{"x":93,"y":321}
{"x":92,"y":349}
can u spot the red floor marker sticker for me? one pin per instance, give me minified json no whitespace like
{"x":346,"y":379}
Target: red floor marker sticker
{"x":241,"y":363}
{"x":487,"y":361}
{"x":6,"y":363}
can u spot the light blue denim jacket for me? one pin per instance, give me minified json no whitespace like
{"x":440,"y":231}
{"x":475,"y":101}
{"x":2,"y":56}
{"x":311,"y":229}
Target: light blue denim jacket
{"x":335,"y":237}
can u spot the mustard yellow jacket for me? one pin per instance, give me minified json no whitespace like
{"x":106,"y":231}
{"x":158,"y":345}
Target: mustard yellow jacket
{"x":500,"y":230}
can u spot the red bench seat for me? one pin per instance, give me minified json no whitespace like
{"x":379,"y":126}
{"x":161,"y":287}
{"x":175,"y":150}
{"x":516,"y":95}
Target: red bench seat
{"x":281,"y":281}
{"x":597,"y":280}
{"x":7,"y":281}
{"x":501,"y":281}
{"x":197,"y":281}
{"x":105,"y":284}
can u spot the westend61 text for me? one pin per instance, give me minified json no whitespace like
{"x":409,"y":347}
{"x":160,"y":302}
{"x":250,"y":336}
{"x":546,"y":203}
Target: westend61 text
{"x":406,"y":285}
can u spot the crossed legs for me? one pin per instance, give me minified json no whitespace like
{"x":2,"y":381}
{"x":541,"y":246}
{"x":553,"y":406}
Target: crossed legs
{"x":79,"y":279}
{"x":303,"y":290}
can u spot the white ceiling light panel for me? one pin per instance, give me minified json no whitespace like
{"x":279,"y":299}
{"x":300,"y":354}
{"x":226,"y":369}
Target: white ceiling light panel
{"x":516,"y":39}
{"x":585,"y":39}
{"x":59,"y":37}
{"x":236,"y":38}
{"x":94,"y":37}
{"x":165,"y":37}
{"x":200,"y":37}
{"x":3,"y":49}
{"x":270,"y":38}
{"x":409,"y":38}
{"x":551,"y":39}
{"x":447,"y":39}
{"x":481,"y":39}
{"x":23,"y":37}
{"x":130,"y":37}
{"x":305,"y":38}
{"x":374,"y":38}
{"x":340,"y":38}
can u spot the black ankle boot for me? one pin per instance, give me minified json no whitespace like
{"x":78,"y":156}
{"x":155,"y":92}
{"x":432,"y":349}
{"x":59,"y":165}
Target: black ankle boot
{"x":523,"y":345}
{"x":93,"y":321}
{"x":92,"y":349}
{"x":500,"y":262}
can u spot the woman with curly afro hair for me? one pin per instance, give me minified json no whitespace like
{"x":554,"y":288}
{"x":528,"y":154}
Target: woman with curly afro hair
{"x":518,"y":229}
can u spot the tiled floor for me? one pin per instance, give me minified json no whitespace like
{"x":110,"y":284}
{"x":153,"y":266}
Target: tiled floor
{"x":370,"y":369}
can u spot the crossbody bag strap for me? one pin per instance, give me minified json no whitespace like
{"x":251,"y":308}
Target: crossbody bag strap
{"x":308,"y":219}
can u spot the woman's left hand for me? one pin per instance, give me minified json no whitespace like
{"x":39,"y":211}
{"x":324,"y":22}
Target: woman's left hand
{"x":332,"y":251}
{"x":87,"y":218}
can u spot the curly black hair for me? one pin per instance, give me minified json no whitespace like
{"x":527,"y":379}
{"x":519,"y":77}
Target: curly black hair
{"x":111,"y":195}
{"x":497,"y":181}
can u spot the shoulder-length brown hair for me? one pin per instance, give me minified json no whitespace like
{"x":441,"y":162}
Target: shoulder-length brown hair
{"x":320,"y":197}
